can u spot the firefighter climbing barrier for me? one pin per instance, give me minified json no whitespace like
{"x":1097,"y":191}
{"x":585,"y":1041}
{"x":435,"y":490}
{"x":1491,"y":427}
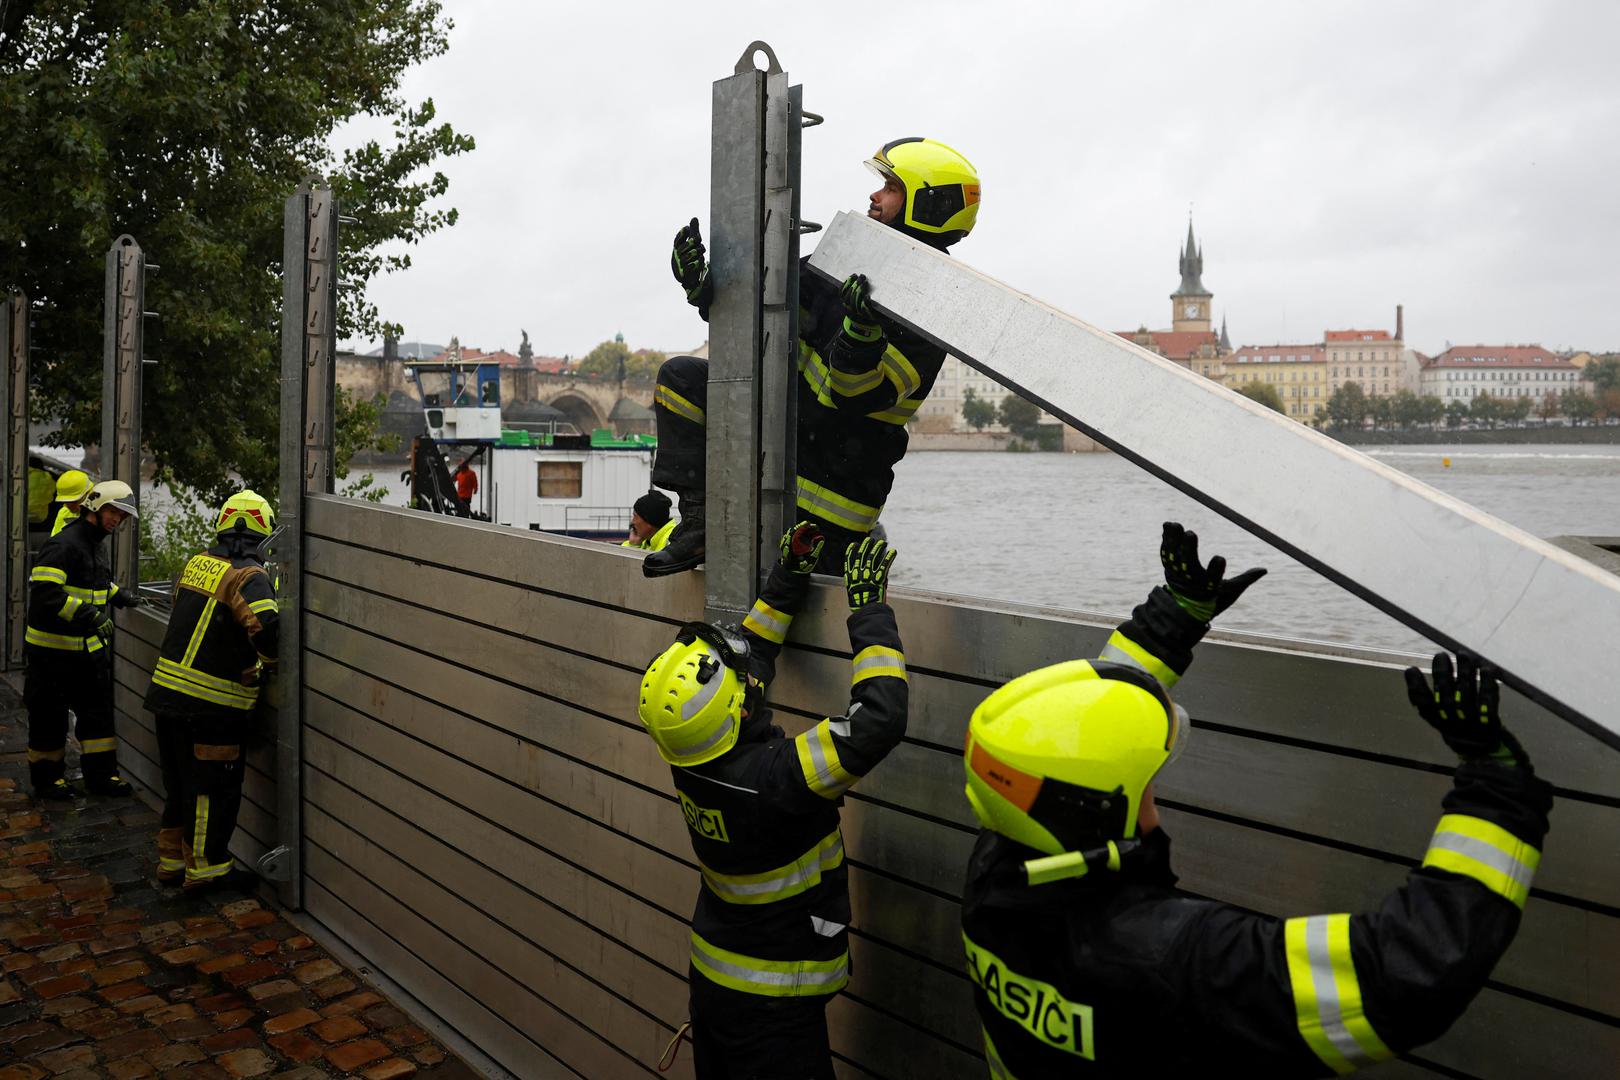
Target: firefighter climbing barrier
{"x":474,"y":808}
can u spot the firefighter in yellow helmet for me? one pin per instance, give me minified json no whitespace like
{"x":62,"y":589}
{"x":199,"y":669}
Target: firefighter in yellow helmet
{"x":69,"y":663}
{"x":220,"y":643}
{"x":769,"y":944}
{"x":1086,"y":961}
{"x":71,"y":489}
{"x":862,"y":375}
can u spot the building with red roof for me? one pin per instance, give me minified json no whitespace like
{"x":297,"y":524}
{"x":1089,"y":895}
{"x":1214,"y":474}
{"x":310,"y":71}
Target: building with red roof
{"x":1298,"y":372}
{"x":1464,"y":372}
{"x":1191,"y":340}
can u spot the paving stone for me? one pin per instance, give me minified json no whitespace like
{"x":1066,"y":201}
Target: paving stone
{"x":304,"y":1073}
{"x":130,"y":1068}
{"x":8,"y":992}
{"x":159,"y":931}
{"x":57,"y":953}
{"x":315,"y":971}
{"x":114,"y":994}
{"x":351,"y":1055}
{"x":137,"y":1006}
{"x":222,"y":963}
{"x":331,"y":988}
{"x":190,"y":991}
{"x":384,"y":1015}
{"x":427,"y":1054}
{"x":133,"y":1043}
{"x":290,"y":1021}
{"x":118,"y":973}
{"x":281,"y":1003}
{"x":79,"y":1074}
{"x":188,"y":954}
{"x":68,"y":1058}
{"x":300,"y":941}
{"x":252,"y":919}
{"x":297,"y":1046}
{"x":60,"y":986}
{"x":220,"y":1003}
{"x":226,"y":1041}
{"x":258,"y":971}
{"x":77,"y":965}
{"x":408,"y":1035}
{"x":339,"y":1028}
{"x":240,"y":907}
{"x":229,"y":1021}
{"x":273,"y":988}
{"x":264,"y":948}
{"x":24,"y":1030}
{"x":50,"y":1039}
{"x":174,"y":1056}
{"x":20,"y":961}
{"x":171,"y":1012}
{"x":24,"y":1071}
{"x":355,"y":1002}
{"x":391,"y":1069}
{"x":80,"y":1021}
{"x":67,"y":1006}
{"x":183,"y":1030}
{"x":244,"y":1063}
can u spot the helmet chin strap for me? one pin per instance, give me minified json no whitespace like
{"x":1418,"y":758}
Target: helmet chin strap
{"x":1072,"y":864}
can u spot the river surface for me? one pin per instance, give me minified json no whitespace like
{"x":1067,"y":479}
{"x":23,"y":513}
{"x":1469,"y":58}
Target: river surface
{"x":1081,"y":531}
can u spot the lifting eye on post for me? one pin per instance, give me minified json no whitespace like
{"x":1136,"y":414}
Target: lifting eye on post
{"x":745,"y":63}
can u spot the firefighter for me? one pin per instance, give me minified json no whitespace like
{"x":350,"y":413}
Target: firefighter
{"x":650,"y":523}
{"x":220,"y":643}
{"x":1086,"y":961}
{"x":71,"y":488}
{"x":69,"y":662}
{"x":770,"y":933}
{"x":862,"y":374}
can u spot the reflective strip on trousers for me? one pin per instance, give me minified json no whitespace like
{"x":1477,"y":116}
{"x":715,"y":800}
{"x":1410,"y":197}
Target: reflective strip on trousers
{"x":824,"y":773}
{"x":98,"y":746}
{"x":1122,"y":650}
{"x":767,"y":622}
{"x":770,"y":978}
{"x":678,"y":405}
{"x":827,"y":505}
{"x":46,"y":755}
{"x":1486,"y":852}
{"x":1327,"y":994}
{"x":879,"y":661}
{"x":769,"y":886}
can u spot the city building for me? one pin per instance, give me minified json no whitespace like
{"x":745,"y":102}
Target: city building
{"x":1463,"y":372}
{"x":1378,"y":362}
{"x":1299,"y":372}
{"x":1191,"y":340}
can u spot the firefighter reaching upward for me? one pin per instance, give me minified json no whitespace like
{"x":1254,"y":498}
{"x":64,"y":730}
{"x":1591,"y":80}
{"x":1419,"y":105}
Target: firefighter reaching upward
{"x":220,"y":642}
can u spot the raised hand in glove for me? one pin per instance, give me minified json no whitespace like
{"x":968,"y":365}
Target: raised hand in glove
{"x":801,"y":547}
{"x":858,"y":318}
{"x":866,"y":572}
{"x":1465,"y":709}
{"x":687,"y":260}
{"x":1202,"y":591}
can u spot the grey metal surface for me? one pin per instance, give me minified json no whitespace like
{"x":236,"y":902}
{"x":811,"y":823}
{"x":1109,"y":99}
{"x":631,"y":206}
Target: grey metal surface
{"x":14,"y":343}
{"x":308,"y":398}
{"x":124,"y":337}
{"x":736,"y":213}
{"x":1453,"y":573}
{"x":778,"y":314}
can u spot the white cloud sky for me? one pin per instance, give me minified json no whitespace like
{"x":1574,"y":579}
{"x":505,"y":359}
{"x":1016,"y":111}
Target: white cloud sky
{"x":1460,"y":158}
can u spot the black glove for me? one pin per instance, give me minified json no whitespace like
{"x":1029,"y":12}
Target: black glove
{"x":127,"y":599}
{"x":866,"y":572}
{"x":1203,"y":592}
{"x":853,"y":295}
{"x":1466,"y":710}
{"x":801,"y":547}
{"x":687,"y":261}
{"x":101,"y":625}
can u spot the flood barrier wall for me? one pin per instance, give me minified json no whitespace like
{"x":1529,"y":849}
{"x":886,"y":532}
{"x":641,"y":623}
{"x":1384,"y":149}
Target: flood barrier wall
{"x":486,"y":822}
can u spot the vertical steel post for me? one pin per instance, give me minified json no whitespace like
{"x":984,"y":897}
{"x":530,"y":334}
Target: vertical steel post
{"x":308,"y":340}
{"x":14,"y":502}
{"x":122,"y":344}
{"x":750,"y":328}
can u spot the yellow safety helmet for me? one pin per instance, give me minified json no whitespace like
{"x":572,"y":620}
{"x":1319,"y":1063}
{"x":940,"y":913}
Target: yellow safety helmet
{"x":72,"y":486}
{"x":114,"y":493}
{"x":248,"y":511}
{"x":1057,"y":759}
{"x":942,"y":186}
{"x":692,"y":694}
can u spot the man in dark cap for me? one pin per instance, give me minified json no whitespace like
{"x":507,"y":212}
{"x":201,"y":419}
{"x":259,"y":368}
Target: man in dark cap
{"x":650,"y":524}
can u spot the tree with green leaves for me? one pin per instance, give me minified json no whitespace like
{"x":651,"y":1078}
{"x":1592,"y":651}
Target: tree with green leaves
{"x":187,"y":126}
{"x":1406,"y":408}
{"x":1431,"y":410}
{"x":1264,"y":393}
{"x":614,"y":360}
{"x":1382,"y":411}
{"x":1485,"y":409}
{"x":1456,"y":413}
{"x":978,"y":412}
{"x":1547,"y":407}
{"x":1347,"y":406}
{"x":1517,"y":411}
{"x":1578,"y":405}
{"x":1603,"y":373}
{"x":1022,"y":418}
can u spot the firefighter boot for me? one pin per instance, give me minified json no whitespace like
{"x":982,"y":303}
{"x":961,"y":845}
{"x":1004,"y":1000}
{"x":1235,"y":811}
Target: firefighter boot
{"x":171,"y":856}
{"x":685,"y":548}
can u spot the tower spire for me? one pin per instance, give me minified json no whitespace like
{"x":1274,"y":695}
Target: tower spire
{"x":1191,"y":266}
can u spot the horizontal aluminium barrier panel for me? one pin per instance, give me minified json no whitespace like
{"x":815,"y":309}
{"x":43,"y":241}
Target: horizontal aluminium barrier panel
{"x":1455,"y":574}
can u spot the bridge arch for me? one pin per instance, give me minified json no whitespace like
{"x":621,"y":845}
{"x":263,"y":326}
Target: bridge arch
{"x":580,"y":411}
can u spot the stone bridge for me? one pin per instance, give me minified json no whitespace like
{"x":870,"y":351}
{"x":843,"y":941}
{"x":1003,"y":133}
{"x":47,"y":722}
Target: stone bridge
{"x":589,"y":402}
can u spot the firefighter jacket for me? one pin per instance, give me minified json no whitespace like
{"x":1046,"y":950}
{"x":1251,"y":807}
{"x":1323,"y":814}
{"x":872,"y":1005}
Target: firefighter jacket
{"x":1120,"y":974}
{"x":857,"y":390}
{"x":221,"y":635}
{"x":773,"y":914}
{"x":70,"y":585}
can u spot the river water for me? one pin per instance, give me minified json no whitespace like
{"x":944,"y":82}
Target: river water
{"x":1081,"y":531}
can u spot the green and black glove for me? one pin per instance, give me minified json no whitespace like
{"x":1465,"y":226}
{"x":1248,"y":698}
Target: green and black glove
{"x":866,"y":572}
{"x":801,"y":547}
{"x":1202,"y":592}
{"x":1465,"y":709}
{"x":687,"y":260}
{"x":859,"y":321}
{"x":101,"y":625}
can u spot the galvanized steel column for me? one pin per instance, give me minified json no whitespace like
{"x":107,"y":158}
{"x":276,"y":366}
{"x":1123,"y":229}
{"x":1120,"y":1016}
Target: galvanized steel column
{"x":122,"y":345}
{"x":750,"y":328}
{"x":14,"y":501}
{"x":308,"y":340}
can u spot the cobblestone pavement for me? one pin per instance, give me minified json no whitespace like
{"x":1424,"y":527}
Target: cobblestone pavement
{"x":105,"y":974}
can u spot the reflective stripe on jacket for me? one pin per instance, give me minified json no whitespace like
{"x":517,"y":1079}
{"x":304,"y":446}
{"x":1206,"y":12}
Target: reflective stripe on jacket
{"x":221,"y":635}
{"x":71,"y":581}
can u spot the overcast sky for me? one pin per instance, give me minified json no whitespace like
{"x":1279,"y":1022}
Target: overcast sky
{"x":1461,"y":158}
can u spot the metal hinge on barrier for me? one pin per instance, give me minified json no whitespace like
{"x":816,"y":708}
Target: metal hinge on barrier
{"x":276,"y":864}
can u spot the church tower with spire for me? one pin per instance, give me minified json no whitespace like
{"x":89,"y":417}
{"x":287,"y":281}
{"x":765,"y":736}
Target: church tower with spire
{"x":1189,"y":304}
